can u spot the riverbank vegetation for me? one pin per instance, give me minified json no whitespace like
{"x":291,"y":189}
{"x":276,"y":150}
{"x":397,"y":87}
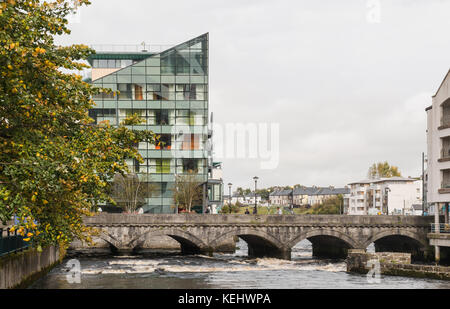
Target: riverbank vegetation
{"x":55,"y":162}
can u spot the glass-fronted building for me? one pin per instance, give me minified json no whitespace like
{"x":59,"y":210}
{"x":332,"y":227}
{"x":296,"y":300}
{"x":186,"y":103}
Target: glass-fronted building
{"x":168,"y":90}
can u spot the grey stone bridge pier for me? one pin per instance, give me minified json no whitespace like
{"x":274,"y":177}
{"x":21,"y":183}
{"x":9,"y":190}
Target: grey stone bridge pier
{"x":266,"y":235}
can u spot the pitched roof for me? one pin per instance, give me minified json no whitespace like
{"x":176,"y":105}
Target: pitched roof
{"x":385,"y":179}
{"x":304,"y":190}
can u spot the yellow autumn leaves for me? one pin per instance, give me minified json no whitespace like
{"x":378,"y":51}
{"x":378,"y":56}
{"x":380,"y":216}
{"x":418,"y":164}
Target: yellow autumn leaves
{"x":28,"y":225}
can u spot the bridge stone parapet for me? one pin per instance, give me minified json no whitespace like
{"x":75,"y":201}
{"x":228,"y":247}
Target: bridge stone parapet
{"x":266,"y":235}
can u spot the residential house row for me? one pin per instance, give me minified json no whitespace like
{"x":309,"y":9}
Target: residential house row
{"x":307,"y":196}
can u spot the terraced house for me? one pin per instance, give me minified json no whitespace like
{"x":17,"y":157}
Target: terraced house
{"x":306,"y":196}
{"x":168,"y":90}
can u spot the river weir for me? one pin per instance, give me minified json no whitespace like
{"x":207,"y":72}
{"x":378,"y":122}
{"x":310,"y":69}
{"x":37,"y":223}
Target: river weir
{"x":229,"y":271}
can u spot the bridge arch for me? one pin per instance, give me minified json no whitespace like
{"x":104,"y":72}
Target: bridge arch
{"x":260,"y":243}
{"x":111,"y":240}
{"x":190,"y":244}
{"x":324,"y":232}
{"x":400,"y":240}
{"x":326,"y":243}
{"x":398,"y":232}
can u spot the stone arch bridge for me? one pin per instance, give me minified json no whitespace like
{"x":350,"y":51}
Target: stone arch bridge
{"x":267,"y":235}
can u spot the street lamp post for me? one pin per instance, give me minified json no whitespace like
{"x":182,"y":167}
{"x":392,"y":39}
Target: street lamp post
{"x":255,"y":211}
{"x":229,"y":199}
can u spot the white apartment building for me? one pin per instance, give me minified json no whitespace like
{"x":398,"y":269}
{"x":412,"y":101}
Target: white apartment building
{"x":438,"y":145}
{"x":393,"y":196}
{"x":438,"y":163}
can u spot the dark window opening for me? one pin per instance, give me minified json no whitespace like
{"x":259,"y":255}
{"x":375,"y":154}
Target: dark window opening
{"x":190,"y":165}
{"x":165,"y":142}
{"x":162,"y":117}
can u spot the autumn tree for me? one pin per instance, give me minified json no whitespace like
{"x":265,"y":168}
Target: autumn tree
{"x":383,"y":170}
{"x":188,"y":189}
{"x":55,"y":164}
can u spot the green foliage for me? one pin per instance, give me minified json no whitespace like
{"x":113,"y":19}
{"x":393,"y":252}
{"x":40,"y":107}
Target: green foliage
{"x":226,"y":209}
{"x":55,"y":164}
{"x":383,"y":170}
{"x":330,"y":206}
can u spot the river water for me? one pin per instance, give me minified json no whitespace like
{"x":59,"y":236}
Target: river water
{"x":230,"y":271}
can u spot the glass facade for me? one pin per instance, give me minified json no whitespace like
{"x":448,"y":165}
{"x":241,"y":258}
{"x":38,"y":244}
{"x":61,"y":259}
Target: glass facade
{"x":169,"y":92}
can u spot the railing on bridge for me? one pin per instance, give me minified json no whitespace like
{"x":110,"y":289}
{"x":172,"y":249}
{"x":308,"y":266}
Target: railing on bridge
{"x":440,"y":228}
{"x":11,"y":242}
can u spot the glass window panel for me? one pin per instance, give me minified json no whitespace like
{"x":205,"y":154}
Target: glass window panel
{"x":182,"y":91}
{"x":138,"y":70}
{"x":197,"y":117}
{"x":125,"y":91}
{"x":124,"y":78}
{"x":125,"y":63}
{"x":183,"y":70}
{"x":167,"y":79}
{"x":151,"y":117}
{"x":102,"y":63}
{"x":140,"y":79}
{"x":182,"y":59}
{"x":167,"y":92}
{"x":138,"y":91}
{"x":153,"y":62}
{"x":153,"y":79}
{"x":110,"y":78}
{"x":154,"y":92}
{"x":168,"y":59}
{"x":167,"y":70}
{"x":125,"y":71}
{"x":111,"y":63}
{"x":198,"y":70}
{"x":153,"y":70}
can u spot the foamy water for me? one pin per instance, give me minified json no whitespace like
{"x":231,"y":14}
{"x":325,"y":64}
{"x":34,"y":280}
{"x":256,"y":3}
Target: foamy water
{"x":222,"y":271}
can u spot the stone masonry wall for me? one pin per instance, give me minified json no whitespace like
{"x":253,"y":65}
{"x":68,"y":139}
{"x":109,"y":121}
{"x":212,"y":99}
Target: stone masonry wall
{"x":394,"y":264}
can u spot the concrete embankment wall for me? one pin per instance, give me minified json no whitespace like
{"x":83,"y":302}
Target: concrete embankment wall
{"x":394,"y":264}
{"x":17,"y":270}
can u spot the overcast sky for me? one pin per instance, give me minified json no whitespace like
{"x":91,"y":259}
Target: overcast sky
{"x":346,"y":90}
